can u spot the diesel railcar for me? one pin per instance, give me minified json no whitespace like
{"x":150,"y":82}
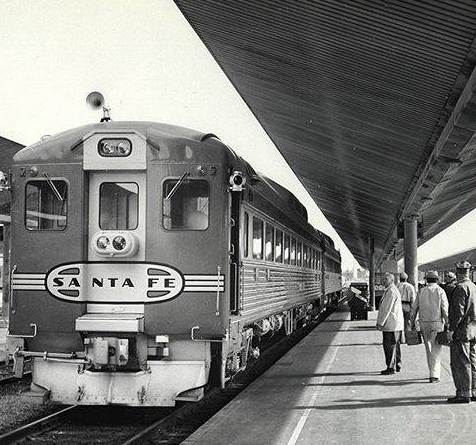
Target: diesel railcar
{"x":148,"y":261}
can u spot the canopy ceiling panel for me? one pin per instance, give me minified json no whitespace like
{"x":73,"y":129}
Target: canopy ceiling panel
{"x":359,"y":97}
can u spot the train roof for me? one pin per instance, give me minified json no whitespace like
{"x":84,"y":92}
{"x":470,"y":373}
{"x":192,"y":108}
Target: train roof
{"x":59,"y":147}
{"x":169,"y":139}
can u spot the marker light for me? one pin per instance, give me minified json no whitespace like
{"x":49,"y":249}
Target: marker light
{"x":237,"y":181}
{"x":113,"y":147}
{"x":119,"y":242}
{"x":102,"y":242}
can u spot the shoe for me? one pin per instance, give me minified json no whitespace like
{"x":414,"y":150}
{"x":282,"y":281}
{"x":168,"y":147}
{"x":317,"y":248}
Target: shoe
{"x":398,"y":368}
{"x":387,"y":371}
{"x":434,"y":380}
{"x":458,"y":399}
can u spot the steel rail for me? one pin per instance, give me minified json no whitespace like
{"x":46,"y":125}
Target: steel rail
{"x":37,"y":426}
{"x":141,"y":436}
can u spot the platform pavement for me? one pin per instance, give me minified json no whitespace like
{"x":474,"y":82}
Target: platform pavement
{"x":328,"y":390}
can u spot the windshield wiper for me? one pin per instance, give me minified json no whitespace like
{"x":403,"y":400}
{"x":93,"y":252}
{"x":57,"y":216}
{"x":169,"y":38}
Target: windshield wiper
{"x":53,"y":187}
{"x":176,"y":186}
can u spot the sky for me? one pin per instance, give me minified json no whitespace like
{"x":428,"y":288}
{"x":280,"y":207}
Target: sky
{"x":143,"y":56}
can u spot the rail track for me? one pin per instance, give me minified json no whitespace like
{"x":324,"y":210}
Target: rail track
{"x":132,"y":426}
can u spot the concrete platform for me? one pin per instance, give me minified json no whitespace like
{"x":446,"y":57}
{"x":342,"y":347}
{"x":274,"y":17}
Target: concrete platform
{"x":328,"y":390}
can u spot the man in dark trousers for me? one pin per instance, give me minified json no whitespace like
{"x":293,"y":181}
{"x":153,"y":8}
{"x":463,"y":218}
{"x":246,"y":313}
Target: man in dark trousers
{"x":449,"y":285}
{"x":462,"y":319}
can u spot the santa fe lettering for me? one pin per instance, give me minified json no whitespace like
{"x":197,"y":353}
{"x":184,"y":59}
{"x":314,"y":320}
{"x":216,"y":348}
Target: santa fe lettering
{"x":112,"y":282}
{"x":60,"y":281}
{"x":161,"y":283}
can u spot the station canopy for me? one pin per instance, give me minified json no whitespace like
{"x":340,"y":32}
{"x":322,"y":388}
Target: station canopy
{"x":371,"y":102}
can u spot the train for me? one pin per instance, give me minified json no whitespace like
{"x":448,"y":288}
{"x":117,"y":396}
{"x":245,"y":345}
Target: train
{"x":149,"y":262}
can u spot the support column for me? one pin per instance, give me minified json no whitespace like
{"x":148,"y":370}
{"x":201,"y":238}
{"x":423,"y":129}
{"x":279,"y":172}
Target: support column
{"x":410,"y":239}
{"x":371,"y":274}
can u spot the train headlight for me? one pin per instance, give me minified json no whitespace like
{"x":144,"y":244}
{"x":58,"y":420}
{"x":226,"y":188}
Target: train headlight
{"x":237,"y":181}
{"x":103,"y":242}
{"x":119,"y":242}
{"x":114,"y":147}
{"x":114,"y":243}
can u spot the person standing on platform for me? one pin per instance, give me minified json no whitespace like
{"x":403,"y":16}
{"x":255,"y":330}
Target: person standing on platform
{"x":408,"y":295}
{"x":463,"y":326}
{"x":449,"y":285}
{"x":432,"y":306}
{"x":390,"y":322}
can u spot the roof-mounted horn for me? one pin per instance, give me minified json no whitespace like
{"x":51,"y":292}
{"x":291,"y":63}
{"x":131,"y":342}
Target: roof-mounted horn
{"x":96,"y":100}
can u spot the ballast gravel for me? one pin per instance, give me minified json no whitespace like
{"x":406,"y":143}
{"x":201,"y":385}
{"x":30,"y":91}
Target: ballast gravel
{"x":16,"y":410}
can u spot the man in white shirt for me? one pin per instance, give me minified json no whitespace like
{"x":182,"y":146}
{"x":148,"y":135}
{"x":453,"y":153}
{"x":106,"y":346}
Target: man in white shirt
{"x":390,"y":322}
{"x":408,"y":295}
{"x":432,"y":306}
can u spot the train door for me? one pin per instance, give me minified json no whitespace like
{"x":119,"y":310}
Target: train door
{"x":116,"y":235}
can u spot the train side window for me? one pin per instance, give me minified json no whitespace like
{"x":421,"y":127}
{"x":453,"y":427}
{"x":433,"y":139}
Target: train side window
{"x":246,"y":226}
{"x":319,"y":260}
{"x":269,"y":243}
{"x":293,"y":251}
{"x":185,"y":204}
{"x":305,"y":256}
{"x":118,"y":205}
{"x":287,"y":249}
{"x":46,"y":205}
{"x":279,"y":246}
{"x":258,"y":238}
{"x":299,"y":253}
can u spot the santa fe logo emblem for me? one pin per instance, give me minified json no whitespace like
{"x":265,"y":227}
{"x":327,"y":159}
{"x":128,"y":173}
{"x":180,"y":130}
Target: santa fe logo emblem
{"x":117,"y":282}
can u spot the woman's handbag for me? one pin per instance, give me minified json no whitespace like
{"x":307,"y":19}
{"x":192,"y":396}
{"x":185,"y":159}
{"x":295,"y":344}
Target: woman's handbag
{"x":444,"y":338}
{"x":413,"y":337}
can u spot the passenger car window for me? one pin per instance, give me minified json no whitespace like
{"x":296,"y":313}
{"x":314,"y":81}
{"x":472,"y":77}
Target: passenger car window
{"x":246,"y":234}
{"x":286,"y":249}
{"x":269,"y":243}
{"x":185,"y":204}
{"x":118,"y":205}
{"x":293,"y":251}
{"x":46,"y":205}
{"x":279,"y":246}
{"x":257,"y":238}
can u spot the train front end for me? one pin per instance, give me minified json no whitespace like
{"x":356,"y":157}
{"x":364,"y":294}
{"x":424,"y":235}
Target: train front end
{"x":118,"y":263}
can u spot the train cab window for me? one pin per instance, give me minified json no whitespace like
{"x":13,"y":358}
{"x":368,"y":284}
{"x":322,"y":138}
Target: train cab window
{"x":279,"y":246}
{"x":299,"y":253}
{"x":287,"y":249}
{"x":185,"y":204}
{"x":293,"y":252}
{"x":246,"y":227}
{"x":46,"y":205}
{"x":118,"y":205}
{"x":269,"y":243}
{"x":258,"y":238}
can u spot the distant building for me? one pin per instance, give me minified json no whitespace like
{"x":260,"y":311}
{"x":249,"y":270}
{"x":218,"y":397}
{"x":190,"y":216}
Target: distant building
{"x":7,"y":149}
